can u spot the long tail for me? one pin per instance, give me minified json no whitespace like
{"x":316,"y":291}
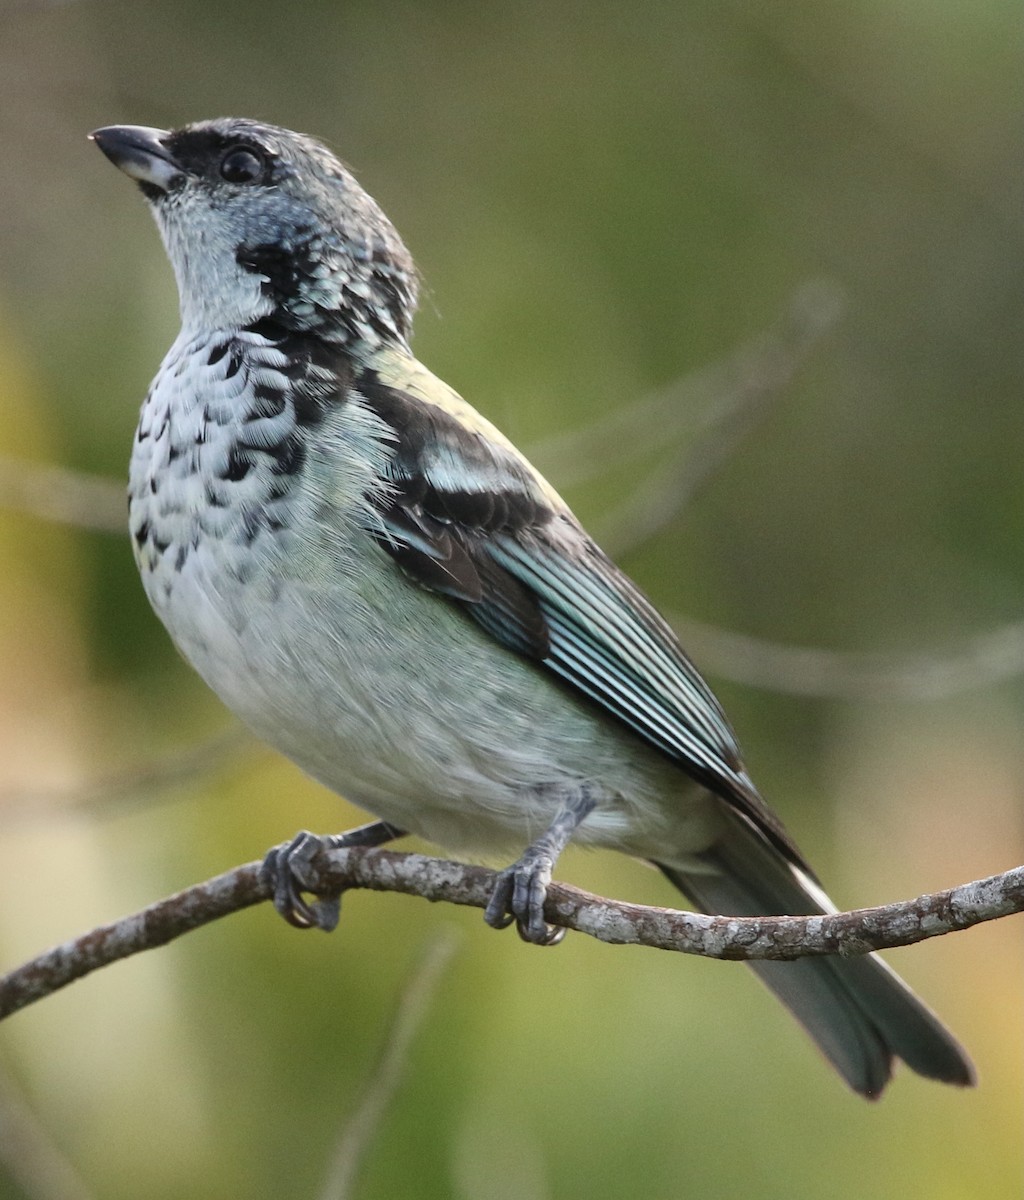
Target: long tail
{"x":859,"y":1011}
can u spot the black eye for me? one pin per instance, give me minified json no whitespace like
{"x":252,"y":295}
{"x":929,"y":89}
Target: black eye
{"x":241,"y":165}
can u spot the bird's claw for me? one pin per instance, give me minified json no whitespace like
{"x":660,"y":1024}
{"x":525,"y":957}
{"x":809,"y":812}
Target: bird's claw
{"x":519,"y":896}
{"x":286,"y":870}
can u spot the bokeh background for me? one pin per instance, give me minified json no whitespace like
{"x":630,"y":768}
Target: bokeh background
{"x":771,"y":249}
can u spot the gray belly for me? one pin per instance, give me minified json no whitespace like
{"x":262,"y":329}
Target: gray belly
{"x":393,"y":698}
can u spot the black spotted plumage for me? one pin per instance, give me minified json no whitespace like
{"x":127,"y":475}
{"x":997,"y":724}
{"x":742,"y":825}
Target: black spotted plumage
{"x":239,"y":464}
{"x":308,"y":377}
{"x":318,"y":374}
{"x":283,"y":269}
{"x":265,"y":401}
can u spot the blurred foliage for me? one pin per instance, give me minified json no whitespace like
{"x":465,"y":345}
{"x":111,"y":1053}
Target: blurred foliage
{"x":603,"y":198}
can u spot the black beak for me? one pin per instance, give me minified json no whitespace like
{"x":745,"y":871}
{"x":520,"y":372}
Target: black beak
{"x":143,"y":156}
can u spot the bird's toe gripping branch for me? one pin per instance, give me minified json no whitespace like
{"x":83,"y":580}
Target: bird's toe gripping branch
{"x":286,"y":869}
{"x":518,"y":896}
{"x":522,"y":888}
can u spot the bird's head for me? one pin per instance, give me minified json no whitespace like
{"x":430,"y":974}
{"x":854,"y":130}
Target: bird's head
{"x":260,"y":222}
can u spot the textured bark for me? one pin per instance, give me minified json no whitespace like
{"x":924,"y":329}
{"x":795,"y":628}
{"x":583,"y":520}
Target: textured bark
{"x":613,"y":921}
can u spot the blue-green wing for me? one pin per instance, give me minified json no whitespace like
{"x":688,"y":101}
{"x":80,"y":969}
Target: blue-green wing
{"x":466,"y":517}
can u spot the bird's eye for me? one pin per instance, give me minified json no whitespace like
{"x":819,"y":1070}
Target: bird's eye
{"x":241,"y":165}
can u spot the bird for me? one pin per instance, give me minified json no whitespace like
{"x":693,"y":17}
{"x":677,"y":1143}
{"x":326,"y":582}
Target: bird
{"x":379,"y":584}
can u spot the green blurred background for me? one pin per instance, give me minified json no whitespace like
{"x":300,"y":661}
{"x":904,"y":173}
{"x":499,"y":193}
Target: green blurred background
{"x":605,"y":199}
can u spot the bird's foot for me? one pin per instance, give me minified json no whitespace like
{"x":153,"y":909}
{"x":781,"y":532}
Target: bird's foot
{"x":522,"y":888}
{"x":519,"y":896}
{"x":286,"y":869}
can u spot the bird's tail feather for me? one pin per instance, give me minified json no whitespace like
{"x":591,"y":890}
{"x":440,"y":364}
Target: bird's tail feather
{"x":858,"y":1011}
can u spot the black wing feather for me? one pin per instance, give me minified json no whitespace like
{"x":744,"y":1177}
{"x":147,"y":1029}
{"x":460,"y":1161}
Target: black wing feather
{"x":435,"y":533}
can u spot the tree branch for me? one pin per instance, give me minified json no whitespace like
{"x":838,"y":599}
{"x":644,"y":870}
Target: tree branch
{"x":613,"y":921}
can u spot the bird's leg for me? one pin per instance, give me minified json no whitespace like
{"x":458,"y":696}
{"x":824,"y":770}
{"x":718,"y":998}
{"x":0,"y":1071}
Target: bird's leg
{"x":522,"y":888}
{"x":284,"y":868}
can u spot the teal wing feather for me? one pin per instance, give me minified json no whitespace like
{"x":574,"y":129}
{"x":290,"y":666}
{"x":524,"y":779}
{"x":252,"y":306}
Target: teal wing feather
{"x":467,"y":518}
